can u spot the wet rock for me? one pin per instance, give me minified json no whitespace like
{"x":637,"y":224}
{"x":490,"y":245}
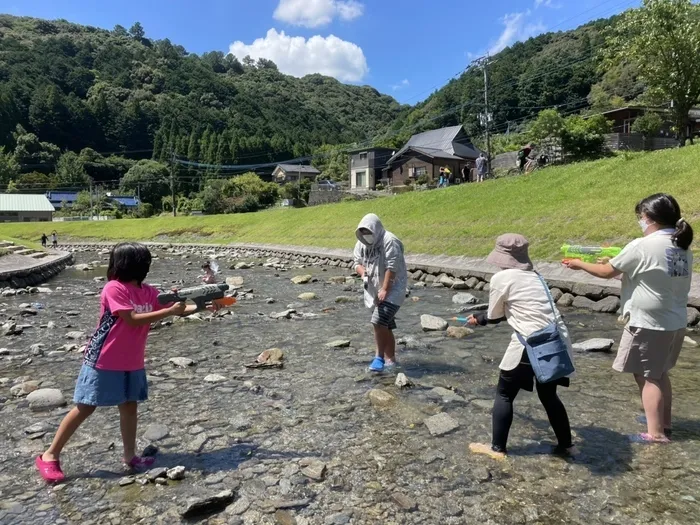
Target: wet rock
{"x":241,"y":505}
{"x":45,"y":399}
{"x":402,"y":381}
{"x":458,"y":284}
{"x":446,"y":281}
{"x":156,"y":432}
{"x":214,"y":378}
{"x":308,"y":296}
{"x":464,"y":298}
{"x":341,"y":518}
{"x":242,"y":266}
{"x":83,"y":267}
{"x":68,"y":348}
{"x":284,"y":517}
{"x":10,"y":328}
{"x":126,"y":481}
{"x":272,"y":355}
{"x":446,"y":394}
{"x":566,"y":300}
{"x":234,"y":281}
{"x":37,"y":349}
{"x":208,"y":505}
{"x":75,"y":335}
{"x":609,"y":305}
{"x":155,"y":473}
{"x":459,"y":332}
{"x":597,"y":344}
{"x":287,"y":314}
{"x":431,"y":323}
{"x":583,"y":302}
{"x":432,"y":456}
{"x":302,"y":279}
{"x":181,"y":362}
{"x":693,"y":316}
{"x":291,"y":504}
{"x":43,"y":426}
{"x":404,"y":502}
{"x":344,"y":299}
{"x":24,"y":389}
{"x":484,"y":404}
{"x":270,"y":300}
{"x":150,"y":450}
{"x":380,"y":398}
{"x":690,"y":342}
{"x":26,"y":362}
{"x":339,"y":343}
{"x":441,"y":424}
{"x":556,"y":294}
{"x":314,"y":469}
{"x":176,"y":473}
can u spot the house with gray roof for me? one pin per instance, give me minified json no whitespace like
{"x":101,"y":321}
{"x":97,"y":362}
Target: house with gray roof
{"x":425,"y":154}
{"x":19,"y":207}
{"x":293,"y":172}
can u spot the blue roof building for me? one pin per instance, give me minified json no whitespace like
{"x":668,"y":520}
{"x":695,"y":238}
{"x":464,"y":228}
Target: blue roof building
{"x":57,"y":198}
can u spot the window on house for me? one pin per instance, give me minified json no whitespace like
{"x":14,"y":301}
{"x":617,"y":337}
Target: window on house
{"x":419,"y":171}
{"x":360,"y":179}
{"x":363,"y":155}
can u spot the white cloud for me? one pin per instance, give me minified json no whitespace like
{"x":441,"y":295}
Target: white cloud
{"x":547,"y":3}
{"x":298,"y":56}
{"x":403,"y":84}
{"x":316,"y":13}
{"x":517,"y":27}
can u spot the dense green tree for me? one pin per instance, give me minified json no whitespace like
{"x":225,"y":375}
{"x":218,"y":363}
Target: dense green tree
{"x":9,"y":168}
{"x":648,"y":124}
{"x":137,"y":31}
{"x":149,"y":179}
{"x":70,"y":173}
{"x":35,"y":182}
{"x":663,"y":39}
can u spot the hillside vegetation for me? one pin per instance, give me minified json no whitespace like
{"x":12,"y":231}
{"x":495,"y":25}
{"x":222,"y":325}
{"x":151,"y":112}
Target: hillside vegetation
{"x":589,"y":203}
{"x":82,"y":87}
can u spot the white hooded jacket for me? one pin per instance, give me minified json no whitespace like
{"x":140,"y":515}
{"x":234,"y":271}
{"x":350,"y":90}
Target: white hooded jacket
{"x":386,"y":253}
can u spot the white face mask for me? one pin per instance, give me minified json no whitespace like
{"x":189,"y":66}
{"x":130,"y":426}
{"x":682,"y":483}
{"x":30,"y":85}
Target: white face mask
{"x":644,"y":225}
{"x":369,"y":239}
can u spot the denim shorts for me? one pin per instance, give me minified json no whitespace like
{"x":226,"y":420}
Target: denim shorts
{"x":105,"y":388}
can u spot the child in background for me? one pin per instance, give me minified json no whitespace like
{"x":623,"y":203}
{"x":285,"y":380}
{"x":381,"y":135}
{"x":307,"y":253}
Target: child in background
{"x":210,"y":270}
{"x":113,"y":368}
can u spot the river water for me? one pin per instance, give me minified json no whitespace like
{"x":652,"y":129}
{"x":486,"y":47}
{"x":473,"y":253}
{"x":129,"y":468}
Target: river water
{"x":250,"y":432}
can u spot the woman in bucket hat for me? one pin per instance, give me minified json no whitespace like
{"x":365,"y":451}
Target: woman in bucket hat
{"x":519,"y":297}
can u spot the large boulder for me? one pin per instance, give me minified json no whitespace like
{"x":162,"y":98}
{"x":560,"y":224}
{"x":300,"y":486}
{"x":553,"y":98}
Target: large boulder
{"x":431,"y":323}
{"x":459,"y":332}
{"x":464,"y":298}
{"x":597,"y":344}
{"x":566,"y":300}
{"x":693,"y":316}
{"x":302,"y":279}
{"x":380,"y":398}
{"x":45,"y":399}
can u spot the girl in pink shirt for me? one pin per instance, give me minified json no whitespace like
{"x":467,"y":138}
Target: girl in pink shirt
{"x":113,"y":369}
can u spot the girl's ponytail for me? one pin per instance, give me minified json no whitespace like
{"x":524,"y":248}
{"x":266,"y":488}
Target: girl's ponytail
{"x":683,"y":236}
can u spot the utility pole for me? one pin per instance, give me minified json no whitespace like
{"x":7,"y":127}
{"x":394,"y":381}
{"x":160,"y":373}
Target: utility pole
{"x":90,"y":199}
{"x":488,"y":113}
{"x":172,"y":181}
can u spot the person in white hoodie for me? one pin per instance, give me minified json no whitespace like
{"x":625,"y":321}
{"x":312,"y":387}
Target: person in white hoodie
{"x":379,"y":260}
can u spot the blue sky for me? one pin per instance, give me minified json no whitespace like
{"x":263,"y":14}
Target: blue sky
{"x":405,"y":48}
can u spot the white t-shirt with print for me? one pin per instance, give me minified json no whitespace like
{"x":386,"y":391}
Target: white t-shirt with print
{"x":655,"y":282}
{"x":520,"y":297}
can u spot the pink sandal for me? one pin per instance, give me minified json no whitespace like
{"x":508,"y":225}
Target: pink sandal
{"x":648,"y":438}
{"x":50,"y":470}
{"x":140,"y":462}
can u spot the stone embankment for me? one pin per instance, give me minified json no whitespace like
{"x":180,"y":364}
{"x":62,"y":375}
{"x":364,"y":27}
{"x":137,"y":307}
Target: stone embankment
{"x":569,"y":288}
{"x":25,"y":268}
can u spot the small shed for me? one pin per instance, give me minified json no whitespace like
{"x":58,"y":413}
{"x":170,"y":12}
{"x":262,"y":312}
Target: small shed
{"x":292,"y":173}
{"x":19,"y":207}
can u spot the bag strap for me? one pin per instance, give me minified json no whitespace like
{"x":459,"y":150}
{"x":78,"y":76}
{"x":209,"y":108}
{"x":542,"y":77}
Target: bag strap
{"x":549,"y":295}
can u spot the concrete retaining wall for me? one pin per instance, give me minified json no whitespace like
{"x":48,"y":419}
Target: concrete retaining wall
{"x":569,"y":288}
{"x":34,"y":274}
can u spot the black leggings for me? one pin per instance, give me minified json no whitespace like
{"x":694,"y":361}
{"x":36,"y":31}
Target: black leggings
{"x":509,"y":384}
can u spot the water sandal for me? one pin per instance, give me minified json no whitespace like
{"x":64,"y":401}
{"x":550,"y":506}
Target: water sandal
{"x":487,"y":450}
{"x":642,"y":420}
{"x":140,"y":462}
{"x":647,"y":438}
{"x":50,"y":470}
{"x":377,"y":365}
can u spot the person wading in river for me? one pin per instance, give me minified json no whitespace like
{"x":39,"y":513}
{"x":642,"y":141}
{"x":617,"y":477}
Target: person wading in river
{"x":379,"y":260}
{"x":519,"y":296}
{"x":656,"y":274}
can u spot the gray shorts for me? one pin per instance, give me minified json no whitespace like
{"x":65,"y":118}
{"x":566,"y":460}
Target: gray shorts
{"x":384,"y":315}
{"x":648,"y":353}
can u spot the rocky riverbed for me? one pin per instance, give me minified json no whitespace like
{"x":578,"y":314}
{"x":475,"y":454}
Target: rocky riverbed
{"x":308,"y":436}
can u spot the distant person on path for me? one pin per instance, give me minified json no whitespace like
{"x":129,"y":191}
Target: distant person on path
{"x":524,"y":157}
{"x":44,"y":240}
{"x":482,"y":167}
{"x":113,"y":367}
{"x":465,"y":173}
{"x":656,"y":275}
{"x":519,"y":297}
{"x":54,"y":239}
{"x":379,"y":260}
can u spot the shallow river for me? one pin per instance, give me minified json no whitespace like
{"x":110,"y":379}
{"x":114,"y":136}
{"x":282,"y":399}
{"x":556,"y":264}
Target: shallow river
{"x":250,"y":432}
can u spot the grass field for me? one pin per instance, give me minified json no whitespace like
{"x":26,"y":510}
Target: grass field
{"x":590,"y":203}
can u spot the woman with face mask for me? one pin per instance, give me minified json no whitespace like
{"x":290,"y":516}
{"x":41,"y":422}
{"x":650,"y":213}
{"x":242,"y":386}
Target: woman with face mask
{"x":656,"y":273}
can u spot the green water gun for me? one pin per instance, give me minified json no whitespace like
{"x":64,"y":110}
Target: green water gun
{"x":589,"y":254}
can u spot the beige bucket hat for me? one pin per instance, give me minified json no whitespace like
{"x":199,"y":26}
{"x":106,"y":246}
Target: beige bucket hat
{"x":511,"y":252}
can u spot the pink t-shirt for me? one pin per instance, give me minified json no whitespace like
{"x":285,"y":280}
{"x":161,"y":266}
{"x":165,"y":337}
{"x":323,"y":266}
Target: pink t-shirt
{"x":115,"y":345}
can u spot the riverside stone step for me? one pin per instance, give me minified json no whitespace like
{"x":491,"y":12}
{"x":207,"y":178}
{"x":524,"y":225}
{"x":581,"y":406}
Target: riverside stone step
{"x":25,"y":251}
{"x":38,"y":255}
{"x":6,"y":244}
{"x":14,"y":249}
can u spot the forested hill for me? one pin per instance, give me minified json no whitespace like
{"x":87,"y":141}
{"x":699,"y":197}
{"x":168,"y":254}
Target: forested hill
{"x":560,"y":70}
{"x":113,"y":91}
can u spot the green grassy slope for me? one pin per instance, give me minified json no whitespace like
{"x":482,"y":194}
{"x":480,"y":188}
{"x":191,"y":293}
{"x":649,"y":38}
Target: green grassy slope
{"x":589,"y":203}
